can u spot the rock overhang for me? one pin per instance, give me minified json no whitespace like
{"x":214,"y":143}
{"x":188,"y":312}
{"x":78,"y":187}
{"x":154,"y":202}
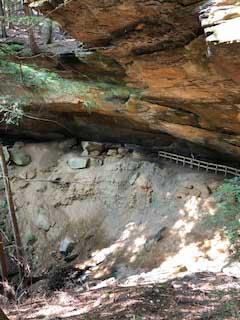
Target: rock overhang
{"x":160,"y":49}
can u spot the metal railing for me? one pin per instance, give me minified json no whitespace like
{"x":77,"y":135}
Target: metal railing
{"x":199,"y":164}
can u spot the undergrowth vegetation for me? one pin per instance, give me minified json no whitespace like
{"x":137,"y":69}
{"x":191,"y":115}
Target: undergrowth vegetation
{"x":9,"y":49}
{"x":42,"y":81}
{"x":46,"y":84}
{"x":227,"y":215}
{"x":11,"y":109}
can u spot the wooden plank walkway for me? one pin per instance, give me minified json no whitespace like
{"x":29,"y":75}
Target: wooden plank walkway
{"x":207,"y":166}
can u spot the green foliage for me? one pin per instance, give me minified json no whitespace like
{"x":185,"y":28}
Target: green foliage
{"x":37,"y":78}
{"x":46,"y":84}
{"x":11,"y":109}
{"x":25,"y":20}
{"x":42,"y":80}
{"x":9,"y":49}
{"x":227,"y":216}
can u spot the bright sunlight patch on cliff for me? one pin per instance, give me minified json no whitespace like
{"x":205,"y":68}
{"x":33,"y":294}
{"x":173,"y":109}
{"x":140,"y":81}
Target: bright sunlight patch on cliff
{"x":221,"y":21}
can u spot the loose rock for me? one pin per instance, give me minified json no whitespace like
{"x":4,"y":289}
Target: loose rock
{"x":78,"y":163}
{"x":92,"y":146}
{"x":66,"y":246}
{"x":19,"y":157}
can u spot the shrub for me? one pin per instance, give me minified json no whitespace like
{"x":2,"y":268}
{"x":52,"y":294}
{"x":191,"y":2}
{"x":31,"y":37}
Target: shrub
{"x":11,"y":109}
{"x":227,"y":215}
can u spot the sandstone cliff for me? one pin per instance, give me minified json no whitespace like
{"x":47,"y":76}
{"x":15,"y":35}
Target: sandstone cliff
{"x":159,"y":71}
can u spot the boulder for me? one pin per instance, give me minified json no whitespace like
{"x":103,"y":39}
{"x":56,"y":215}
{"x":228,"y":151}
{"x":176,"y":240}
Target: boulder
{"x":66,"y":246}
{"x":78,"y":163}
{"x":92,"y":146}
{"x":20,"y":157}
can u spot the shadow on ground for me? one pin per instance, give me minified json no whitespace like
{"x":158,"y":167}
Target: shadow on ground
{"x":196,"y":296}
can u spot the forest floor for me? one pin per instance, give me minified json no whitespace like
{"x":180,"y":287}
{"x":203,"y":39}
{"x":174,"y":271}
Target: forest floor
{"x":195,"y":296}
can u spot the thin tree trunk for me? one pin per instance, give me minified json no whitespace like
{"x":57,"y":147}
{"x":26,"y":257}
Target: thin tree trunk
{"x":49,"y":32}
{"x":3,"y":26}
{"x":33,"y":44}
{"x":8,"y":291}
{"x":2,"y":315}
{"x":8,"y":13}
{"x":12,"y":214}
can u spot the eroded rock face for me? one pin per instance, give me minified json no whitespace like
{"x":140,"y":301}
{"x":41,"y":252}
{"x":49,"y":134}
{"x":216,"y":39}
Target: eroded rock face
{"x":124,"y":215}
{"x":132,"y":27}
{"x":186,"y":88}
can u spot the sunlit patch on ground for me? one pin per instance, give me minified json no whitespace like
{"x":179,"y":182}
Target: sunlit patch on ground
{"x":186,"y":247}
{"x":192,"y":297}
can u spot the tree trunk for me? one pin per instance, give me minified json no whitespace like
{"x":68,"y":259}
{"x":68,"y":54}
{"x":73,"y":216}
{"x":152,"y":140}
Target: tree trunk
{"x":32,"y":42}
{"x":3,"y":26}
{"x":8,"y":13}
{"x":49,"y":32}
{"x":2,"y":315}
{"x":8,"y":291}
{"x":12,"y":214}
